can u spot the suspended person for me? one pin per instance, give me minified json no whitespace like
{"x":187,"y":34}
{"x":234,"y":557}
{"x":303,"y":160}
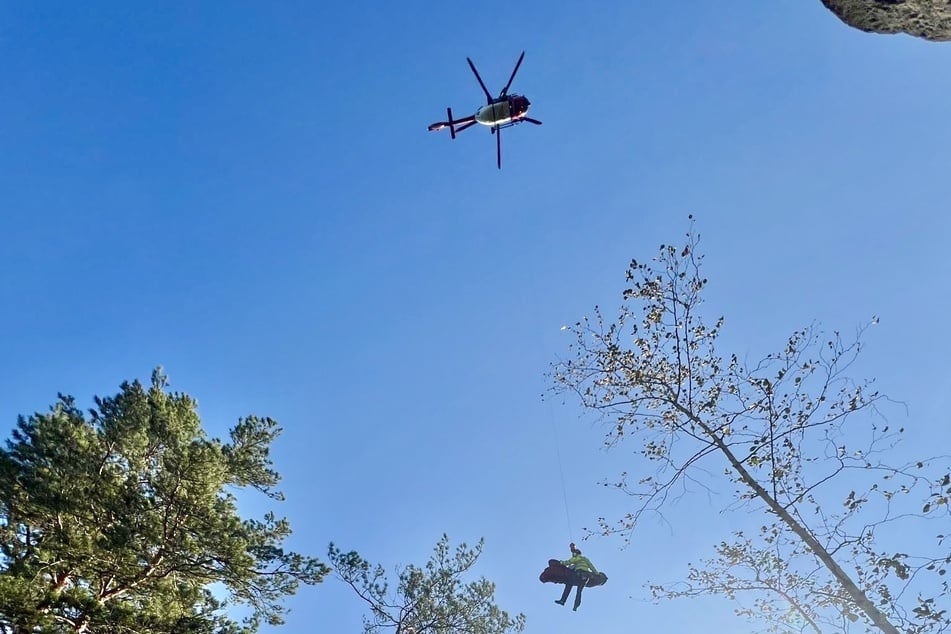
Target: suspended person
{"x":581,"y":570}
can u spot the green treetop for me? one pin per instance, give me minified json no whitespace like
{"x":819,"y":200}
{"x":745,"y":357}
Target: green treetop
{"x":121,"y":520}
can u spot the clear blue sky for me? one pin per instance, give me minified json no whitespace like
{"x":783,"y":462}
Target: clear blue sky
{"x":246,"y":194}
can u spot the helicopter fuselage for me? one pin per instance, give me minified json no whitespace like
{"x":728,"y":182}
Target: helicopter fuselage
{"x":499,"y":112}
{"x":502,"y":111}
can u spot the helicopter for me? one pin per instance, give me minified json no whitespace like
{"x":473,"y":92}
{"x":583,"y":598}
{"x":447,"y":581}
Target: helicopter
{"x":500,"y":112}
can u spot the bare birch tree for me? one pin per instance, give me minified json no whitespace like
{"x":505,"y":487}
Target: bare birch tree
{"x":803,"y":447}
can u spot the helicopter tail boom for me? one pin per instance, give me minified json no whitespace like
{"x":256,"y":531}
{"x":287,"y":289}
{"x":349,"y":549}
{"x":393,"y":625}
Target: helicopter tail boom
{"x":452,"y":123}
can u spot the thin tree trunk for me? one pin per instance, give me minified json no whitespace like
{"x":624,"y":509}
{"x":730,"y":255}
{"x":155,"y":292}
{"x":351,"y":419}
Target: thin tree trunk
{"x":854,"y":592}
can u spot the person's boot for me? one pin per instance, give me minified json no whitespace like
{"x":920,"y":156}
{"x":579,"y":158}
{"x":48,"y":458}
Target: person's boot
{"x":559,"y":602}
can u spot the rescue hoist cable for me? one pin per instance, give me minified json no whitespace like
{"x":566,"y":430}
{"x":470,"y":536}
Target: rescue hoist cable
{"x":561,"y":471}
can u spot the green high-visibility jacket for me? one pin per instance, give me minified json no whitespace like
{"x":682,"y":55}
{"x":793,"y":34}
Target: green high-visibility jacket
{"x":579,"y":562}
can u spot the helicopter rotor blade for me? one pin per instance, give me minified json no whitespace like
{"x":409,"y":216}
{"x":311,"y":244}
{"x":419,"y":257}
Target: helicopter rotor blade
{"x":498,"y":145}
{"x":529,"y":119}
{"x":517,"y":64}
{"x":488,"y":97}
